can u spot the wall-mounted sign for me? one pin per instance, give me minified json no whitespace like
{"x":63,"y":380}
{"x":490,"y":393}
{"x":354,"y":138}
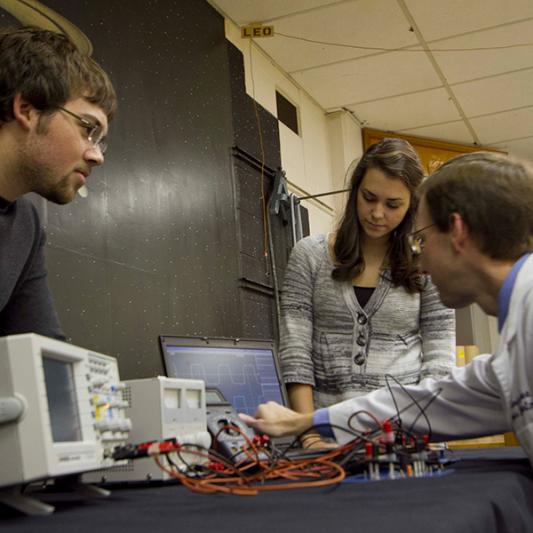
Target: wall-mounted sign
{"x":257,"y":30}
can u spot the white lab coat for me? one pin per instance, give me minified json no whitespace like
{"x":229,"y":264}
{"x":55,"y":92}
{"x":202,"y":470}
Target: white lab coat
{"x":491,"y":395}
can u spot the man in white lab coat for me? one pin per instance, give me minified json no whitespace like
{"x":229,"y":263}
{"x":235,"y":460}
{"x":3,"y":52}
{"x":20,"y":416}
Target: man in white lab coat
{"x":474,"y":237}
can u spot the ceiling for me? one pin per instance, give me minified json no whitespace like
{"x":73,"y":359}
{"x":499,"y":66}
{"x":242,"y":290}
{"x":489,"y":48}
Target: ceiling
{"x":455,"y":70}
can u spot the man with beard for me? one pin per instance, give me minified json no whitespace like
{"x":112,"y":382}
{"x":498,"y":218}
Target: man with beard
{"x":55,"y":104}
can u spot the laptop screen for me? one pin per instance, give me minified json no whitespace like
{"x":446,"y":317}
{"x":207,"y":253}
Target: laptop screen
{"x":245,"y":371}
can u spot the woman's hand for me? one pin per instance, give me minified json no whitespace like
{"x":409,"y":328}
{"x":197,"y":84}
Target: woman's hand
{"x":313,"y":441}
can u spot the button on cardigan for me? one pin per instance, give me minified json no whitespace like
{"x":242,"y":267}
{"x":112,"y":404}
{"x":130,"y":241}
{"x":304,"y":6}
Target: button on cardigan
{"x":328,"y":341}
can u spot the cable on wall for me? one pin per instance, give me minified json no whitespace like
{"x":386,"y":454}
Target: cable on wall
{"x":382,"y":49}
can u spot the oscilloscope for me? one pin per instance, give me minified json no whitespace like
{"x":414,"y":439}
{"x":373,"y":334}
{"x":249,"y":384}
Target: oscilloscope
{"x":66,"y":411}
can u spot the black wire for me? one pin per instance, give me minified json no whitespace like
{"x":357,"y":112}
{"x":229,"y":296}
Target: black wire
{"x":431,"y":400}
{"x":190,"y":467}
{"x":362,"y":435}
{"x":219,"y":457}
{"x":398,"y":416}
{"x":422,"y":411}
{"x":358,"y":447}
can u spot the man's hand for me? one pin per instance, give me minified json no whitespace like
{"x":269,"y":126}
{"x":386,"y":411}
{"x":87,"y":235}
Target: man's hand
{"x":275,"y":420}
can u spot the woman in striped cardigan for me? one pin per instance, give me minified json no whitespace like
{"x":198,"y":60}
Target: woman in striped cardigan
{"x":354,"y":306}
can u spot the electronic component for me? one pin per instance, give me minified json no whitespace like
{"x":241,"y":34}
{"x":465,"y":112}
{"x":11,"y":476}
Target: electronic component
{"x":160,"y":409}
{"x":226,"y":427}
{"x":72,"y":412}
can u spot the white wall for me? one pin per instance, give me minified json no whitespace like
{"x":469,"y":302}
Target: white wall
{"x":314,"y":161}
{"x":474,"y":326}
{"x":346,"y":144}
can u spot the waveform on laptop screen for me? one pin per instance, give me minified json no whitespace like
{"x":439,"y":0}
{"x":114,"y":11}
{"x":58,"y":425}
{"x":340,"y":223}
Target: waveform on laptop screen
{"x":245,"y":376}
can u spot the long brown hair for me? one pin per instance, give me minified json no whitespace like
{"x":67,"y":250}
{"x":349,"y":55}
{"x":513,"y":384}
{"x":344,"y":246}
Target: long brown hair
{"x":397,"y":159}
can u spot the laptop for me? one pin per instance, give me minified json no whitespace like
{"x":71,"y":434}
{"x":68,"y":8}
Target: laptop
{"x":245,"y":371}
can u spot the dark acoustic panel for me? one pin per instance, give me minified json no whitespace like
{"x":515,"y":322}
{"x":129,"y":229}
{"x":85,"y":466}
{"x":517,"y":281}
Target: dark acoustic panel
{"x":252,"y":234}
{"x":81,"y":290}
{"x":204,"y":298}
{"x":260,"y":232}
{"x":170,"y":238}
{"x":140,"y":313}
{"x":256,"y":305}
{"x":254,"y":127}
{"x":168,"y":155}
{"x":248,"y":186}
{"x":256,"y":270}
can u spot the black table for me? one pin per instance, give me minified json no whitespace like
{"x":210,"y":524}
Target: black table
{"x":488,"y":491}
